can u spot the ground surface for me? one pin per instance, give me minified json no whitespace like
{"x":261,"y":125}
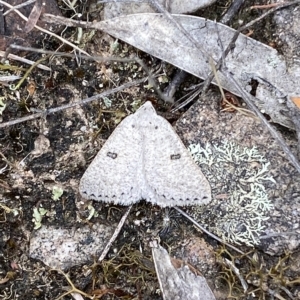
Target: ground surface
{"x":52,"y":152}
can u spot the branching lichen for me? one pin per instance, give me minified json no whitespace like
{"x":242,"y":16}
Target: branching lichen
{"x":241,"y":174}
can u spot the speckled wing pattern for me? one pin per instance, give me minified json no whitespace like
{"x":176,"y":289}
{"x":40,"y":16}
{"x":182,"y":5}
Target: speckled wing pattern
{"x":170,"y":170}
{"x":144,"y":158}
{"x":114,"y":174}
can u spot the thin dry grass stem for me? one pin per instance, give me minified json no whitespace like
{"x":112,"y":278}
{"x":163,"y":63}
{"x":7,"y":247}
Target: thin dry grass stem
{"x":276,"y":135}
{"x":22,"y":59}
{"x":188,"y":98}
{"x":243,"y":111}
{"x":232,"y":11}
{"x":5,"y":159}
{"x":115,"y":235}
{"x":293,"y":159}
{"x":207,"y":232}
{"x":209,"y":79}
{"x":271,"y":11}
{"x":70,"y":105}
{"x":151,"y":78}
{"x":236,"y":271}
{"x":73,"y":288}
{"x":152,"y":82}
{"x":44,"y":30}
{"x":296,"y":281}
{"x":4,"y":185}
{"x":207,"y":82}
{"x":15,"y":87}
{"x":70,"y":22}
{"x":96,"y":58}
{"x":265,"y":6}
{"x":169,"y":16}
{"x":71,"y":5}
{"x":18,"y":6}
{"x":6,"y":208}
{"x":203,"y":87}
{"x":113,"y":238}
{"x":257,"y":275}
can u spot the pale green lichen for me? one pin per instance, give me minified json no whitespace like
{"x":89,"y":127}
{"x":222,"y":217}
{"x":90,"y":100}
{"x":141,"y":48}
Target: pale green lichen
{"x":57,"y":193}
{"x":2,"y":105}
{"x":241,"y":175}
{"x":37,"y":215}
{"x":92,"y":212}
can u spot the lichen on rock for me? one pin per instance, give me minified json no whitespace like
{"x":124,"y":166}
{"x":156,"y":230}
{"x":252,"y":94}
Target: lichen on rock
{"x":240,"y":181}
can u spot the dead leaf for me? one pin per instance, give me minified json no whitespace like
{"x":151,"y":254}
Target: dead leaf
{"x":248,"y":61}
{"x":34,"y":15}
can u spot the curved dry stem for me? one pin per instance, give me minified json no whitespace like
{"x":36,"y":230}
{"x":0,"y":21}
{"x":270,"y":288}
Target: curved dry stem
{"x":73,"y":288}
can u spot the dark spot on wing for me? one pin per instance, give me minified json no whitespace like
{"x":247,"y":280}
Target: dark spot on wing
{"x":112,"y":155}
{"x":196,"y":199}
{"x":156,"y":127}
{"x":204,"y":197}
{"x":175,"y":156}
{"x":132,"y":125}
{"x":93,"y":195}
{"x":84,"y":192}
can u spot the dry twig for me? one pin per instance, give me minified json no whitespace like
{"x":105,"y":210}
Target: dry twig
{"x":70,"y":105}
{"x":44,"y":30}
{"x":207,"y":232}
{"x":113,"y":238}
